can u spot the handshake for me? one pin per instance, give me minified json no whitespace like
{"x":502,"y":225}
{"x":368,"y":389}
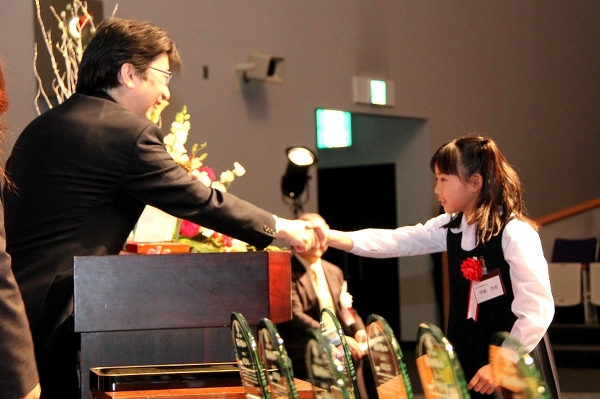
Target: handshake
{"x":302,"y":235}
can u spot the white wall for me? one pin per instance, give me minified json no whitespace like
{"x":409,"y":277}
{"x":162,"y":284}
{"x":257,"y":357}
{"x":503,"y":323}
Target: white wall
{"x":523,"y":72}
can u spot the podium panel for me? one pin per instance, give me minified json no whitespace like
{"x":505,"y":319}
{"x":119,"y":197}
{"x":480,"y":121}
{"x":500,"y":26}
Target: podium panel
{"x":170,"y":309}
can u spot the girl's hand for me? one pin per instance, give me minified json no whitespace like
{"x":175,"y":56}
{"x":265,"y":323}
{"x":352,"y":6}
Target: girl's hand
{"x":482,"y":381}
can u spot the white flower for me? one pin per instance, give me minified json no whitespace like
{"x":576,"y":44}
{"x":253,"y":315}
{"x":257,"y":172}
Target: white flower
{"x":238,"y":169}
{"x":196,"y":163}
{"x":169,"y":140}
{"x":219,"y":186}
{"x":207,"y":232}
{"x":202,"y":176}
{"x":345,"y":300}
{"x":227,"y":177}
{"x":237,"y":246}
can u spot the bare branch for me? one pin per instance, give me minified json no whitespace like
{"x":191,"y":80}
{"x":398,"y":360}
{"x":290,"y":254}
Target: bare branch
{"x":70,"y":47}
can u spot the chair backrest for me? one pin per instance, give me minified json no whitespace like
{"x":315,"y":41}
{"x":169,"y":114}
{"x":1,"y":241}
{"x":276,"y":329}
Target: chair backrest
{"x":595,"y":283}
{"x":565,"y":279}
{"x":581,"y":250}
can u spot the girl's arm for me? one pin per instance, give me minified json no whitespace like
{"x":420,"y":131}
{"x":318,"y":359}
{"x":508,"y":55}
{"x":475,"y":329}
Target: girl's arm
{"x":533,"y":304}
{"x":419,"y":239}
{"x":340,"y":240}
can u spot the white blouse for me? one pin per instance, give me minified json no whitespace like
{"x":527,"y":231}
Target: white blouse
{"x":533,"y":304}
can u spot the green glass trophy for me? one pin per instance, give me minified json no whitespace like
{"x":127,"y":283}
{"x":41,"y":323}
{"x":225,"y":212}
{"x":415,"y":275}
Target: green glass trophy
{"x":277,"y":364}
{"x":254,"y":379}
{"x":514,"y":371}
{"x":326,"y":371}
{"x":387,"y":360}
{"x":439,"y":369}
{"x":333,"y":332}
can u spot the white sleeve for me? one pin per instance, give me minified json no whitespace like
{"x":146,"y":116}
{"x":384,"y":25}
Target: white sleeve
{"x":533,"y":304}
{"x":403,"y":241}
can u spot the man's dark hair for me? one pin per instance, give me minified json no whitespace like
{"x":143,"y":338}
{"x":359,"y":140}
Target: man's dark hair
{"x":118,"y":41}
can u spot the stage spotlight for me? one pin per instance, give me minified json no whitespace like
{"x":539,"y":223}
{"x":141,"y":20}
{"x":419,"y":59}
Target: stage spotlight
{"x":295,"y":179}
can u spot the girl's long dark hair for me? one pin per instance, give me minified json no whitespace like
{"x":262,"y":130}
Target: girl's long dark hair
{"x":500,"y":198}
{"x":3,"y":99}
{"x":3,"y":109}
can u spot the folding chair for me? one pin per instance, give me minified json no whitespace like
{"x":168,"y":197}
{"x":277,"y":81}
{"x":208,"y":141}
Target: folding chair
{"x":595,"y":283}
{"x":565,"y":279}
{"x":582,"y":251}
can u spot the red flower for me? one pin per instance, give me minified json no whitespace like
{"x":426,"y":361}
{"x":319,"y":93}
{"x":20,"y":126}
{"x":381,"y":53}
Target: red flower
{"x":189,"y":229}
{"x":472,"y":269}
{"x":209,"y":172}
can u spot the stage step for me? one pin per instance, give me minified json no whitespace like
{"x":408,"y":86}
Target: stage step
{"x":575,"y":345}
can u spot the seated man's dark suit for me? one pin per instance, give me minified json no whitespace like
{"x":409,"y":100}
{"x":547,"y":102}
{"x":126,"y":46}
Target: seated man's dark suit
{"x":306,"y":313}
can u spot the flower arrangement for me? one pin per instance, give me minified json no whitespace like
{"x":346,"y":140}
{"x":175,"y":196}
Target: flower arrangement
{"x":202,"y":239}
{"x":193,"y":163}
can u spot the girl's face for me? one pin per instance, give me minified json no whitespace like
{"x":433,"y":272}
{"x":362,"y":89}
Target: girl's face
{"x":456,"y":195}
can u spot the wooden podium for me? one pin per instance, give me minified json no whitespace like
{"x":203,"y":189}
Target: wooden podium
{"x":173,"y":309}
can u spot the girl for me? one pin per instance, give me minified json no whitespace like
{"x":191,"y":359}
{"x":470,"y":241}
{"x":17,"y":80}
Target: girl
{"x":484,"y":224}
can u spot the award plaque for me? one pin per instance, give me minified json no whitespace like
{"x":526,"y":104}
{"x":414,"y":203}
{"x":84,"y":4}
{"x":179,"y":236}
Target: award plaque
{"x":251,"y":369}
{"x":439,"y":369}
{"x":325,"y":370}
{"x":276,"y":361}
{"x":334,"y":334}
{"x":387,"y":360}
{"x":514,"y":371}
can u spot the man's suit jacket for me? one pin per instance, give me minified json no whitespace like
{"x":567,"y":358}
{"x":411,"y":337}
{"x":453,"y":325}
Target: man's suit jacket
{"x":82,"y":173}
{"x":18,"y":372}
{"x":306,"y":311}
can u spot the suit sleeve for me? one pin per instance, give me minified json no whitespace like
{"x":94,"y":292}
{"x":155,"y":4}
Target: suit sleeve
{"x":155,"y":179}
{"x":18,"y":372}
{"x":335,"y":279}
{"x":300,"y":319}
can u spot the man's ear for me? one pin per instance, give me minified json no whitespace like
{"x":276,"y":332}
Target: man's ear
{"x":128,"y":75}
{"x":476,"y":182}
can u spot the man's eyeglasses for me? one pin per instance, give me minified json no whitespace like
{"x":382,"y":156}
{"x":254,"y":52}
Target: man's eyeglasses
{"x":168,"y":73}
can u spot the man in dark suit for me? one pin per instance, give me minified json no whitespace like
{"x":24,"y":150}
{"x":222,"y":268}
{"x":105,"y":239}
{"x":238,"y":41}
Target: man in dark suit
{"x":82,"y":173}
{"x":318,"y":284}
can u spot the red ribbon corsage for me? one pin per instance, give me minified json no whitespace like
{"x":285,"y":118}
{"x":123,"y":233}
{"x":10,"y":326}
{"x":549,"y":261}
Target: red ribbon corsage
{"x":472,"y":269}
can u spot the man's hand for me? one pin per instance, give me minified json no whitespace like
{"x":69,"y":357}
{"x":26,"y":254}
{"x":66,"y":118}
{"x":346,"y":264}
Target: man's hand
{"x":301,"y":235}
{"x":482,"y":382}
{"x":355,"y":348}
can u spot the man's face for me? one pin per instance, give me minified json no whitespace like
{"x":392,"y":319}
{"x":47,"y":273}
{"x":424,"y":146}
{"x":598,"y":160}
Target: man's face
{"x":152,"y":90}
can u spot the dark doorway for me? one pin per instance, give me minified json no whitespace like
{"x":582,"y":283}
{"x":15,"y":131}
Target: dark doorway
{"x":357,"y":197}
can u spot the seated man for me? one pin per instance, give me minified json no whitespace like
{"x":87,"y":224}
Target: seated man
{"x":310,"y":294}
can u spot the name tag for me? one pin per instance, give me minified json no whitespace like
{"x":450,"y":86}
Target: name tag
{"x":489,"y":287}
